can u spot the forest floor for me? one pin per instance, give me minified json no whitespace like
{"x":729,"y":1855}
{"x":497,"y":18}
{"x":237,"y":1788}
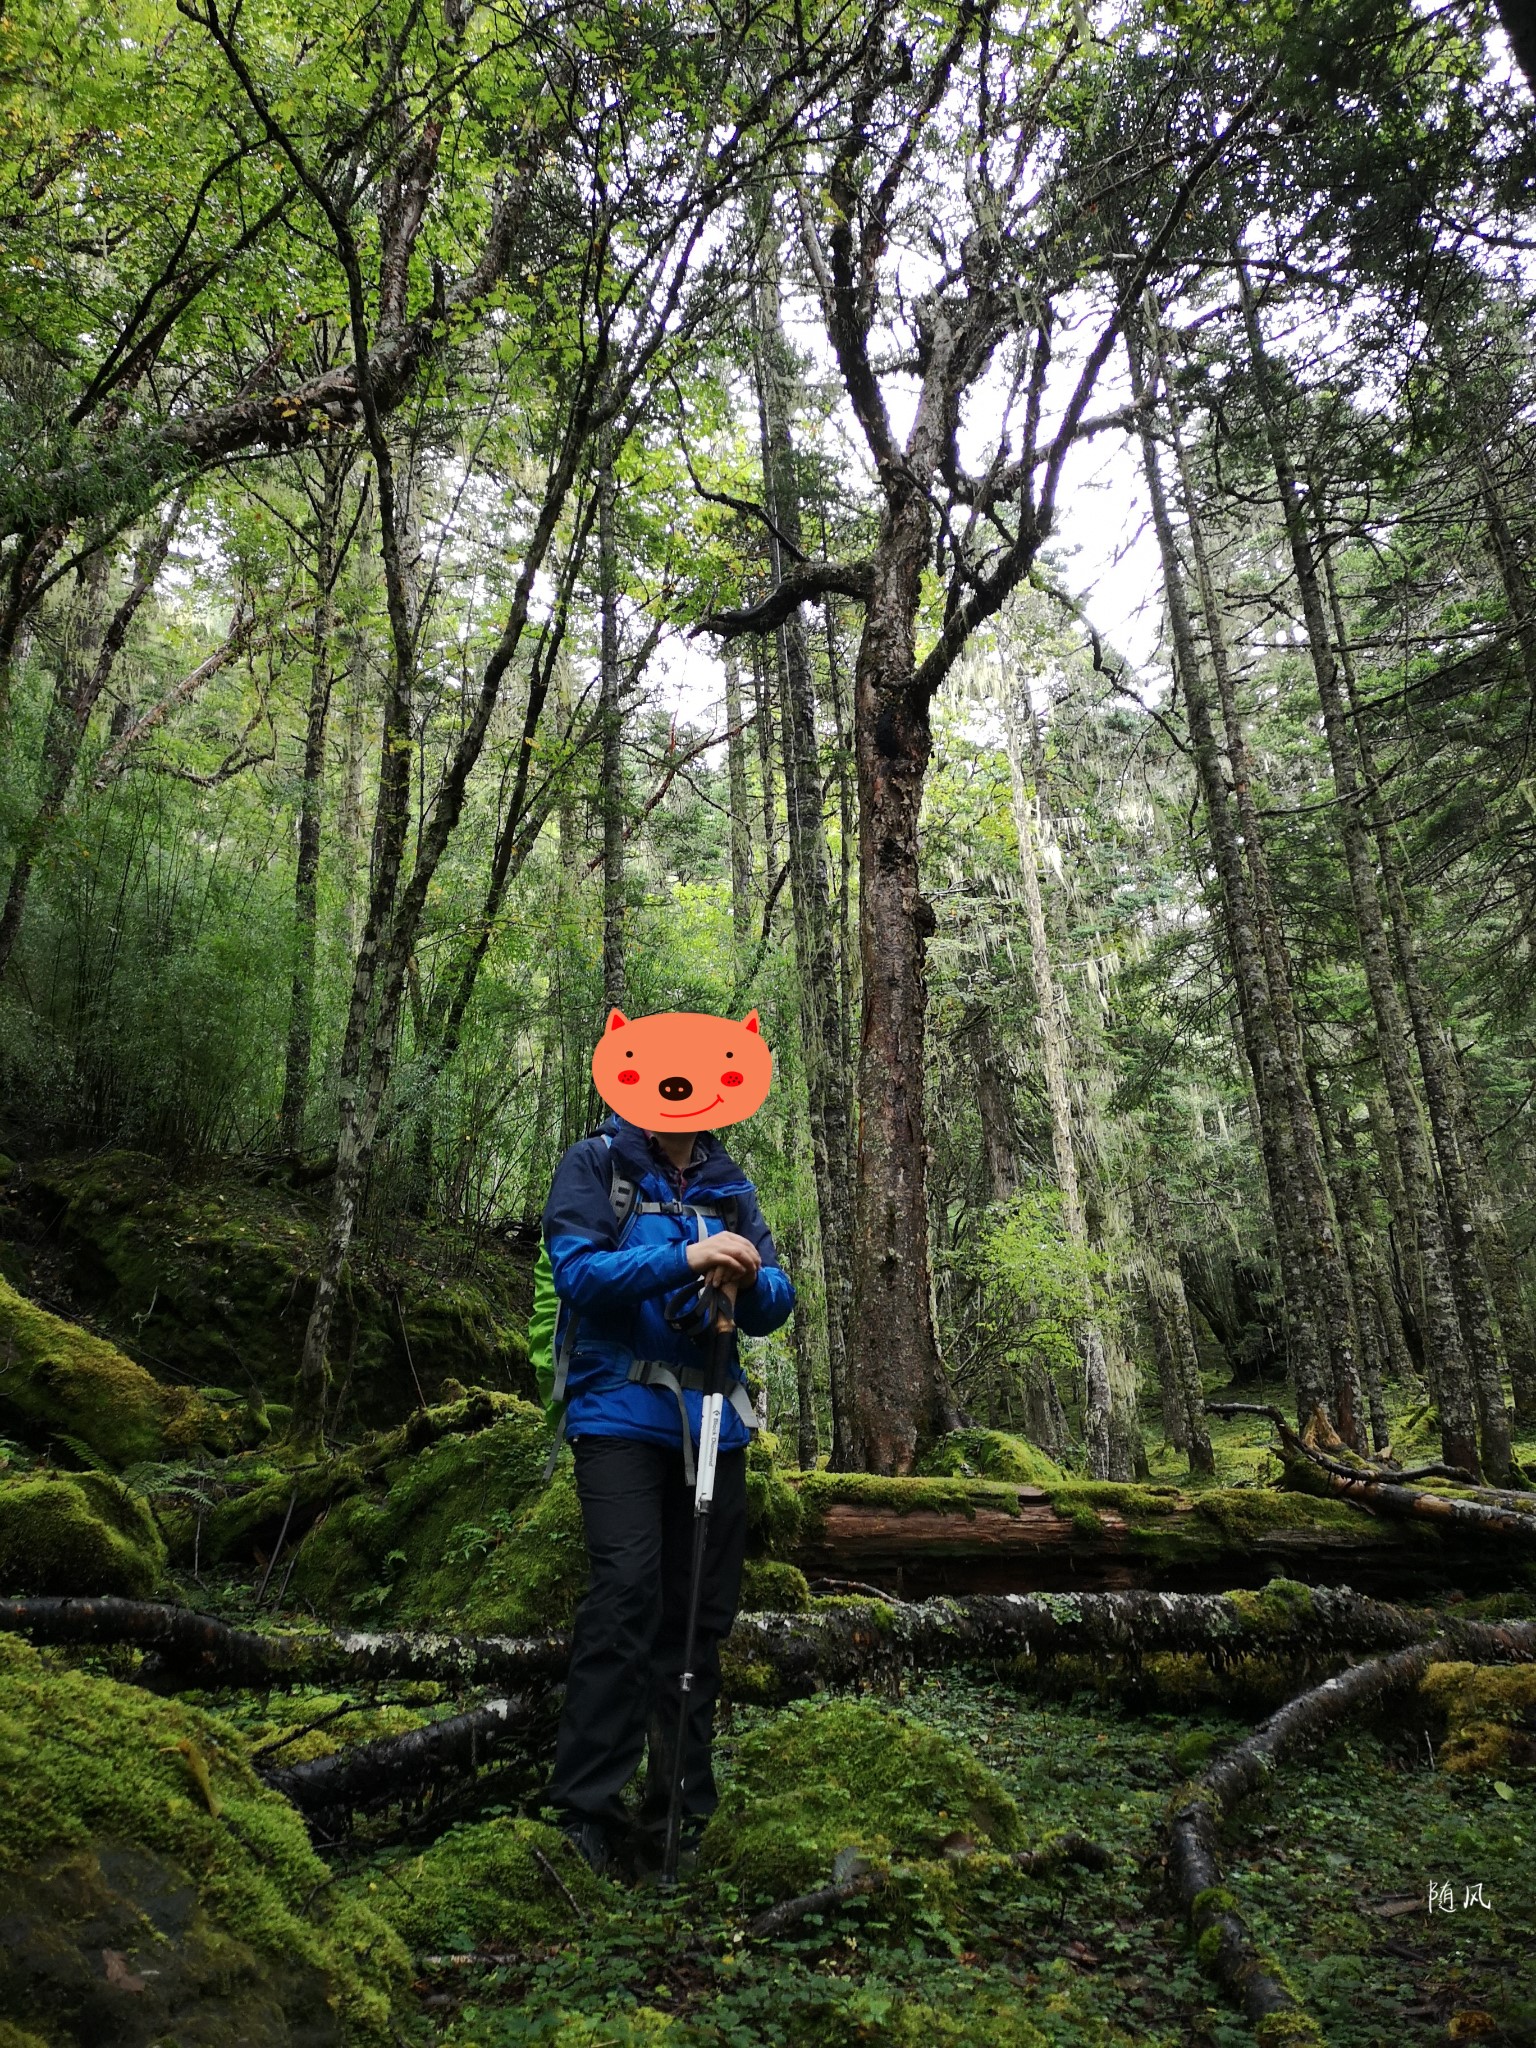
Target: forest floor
{"x":1332,"y":1869}
{"x":1332,"y":1866}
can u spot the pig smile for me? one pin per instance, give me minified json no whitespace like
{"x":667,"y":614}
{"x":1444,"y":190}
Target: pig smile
{"x":675,"y":1113}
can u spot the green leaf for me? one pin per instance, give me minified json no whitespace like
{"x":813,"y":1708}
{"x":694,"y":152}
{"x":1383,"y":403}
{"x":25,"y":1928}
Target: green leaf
{"x":1504,"y":1791}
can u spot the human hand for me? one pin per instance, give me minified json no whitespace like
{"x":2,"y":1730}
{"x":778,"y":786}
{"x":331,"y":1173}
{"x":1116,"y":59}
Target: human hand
{"x":727,"y":1255}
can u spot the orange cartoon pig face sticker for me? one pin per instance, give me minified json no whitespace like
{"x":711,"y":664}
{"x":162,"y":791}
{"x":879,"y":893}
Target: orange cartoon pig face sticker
{"x":682,"y":1071}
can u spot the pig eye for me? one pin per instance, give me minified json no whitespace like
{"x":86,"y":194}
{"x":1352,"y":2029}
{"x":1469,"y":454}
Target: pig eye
{"x":730,"y":1080}
{"x":628,"y":1076}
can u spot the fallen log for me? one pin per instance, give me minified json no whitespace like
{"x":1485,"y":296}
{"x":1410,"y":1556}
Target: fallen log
{"x":373,"y":1773}
{"x":187,"y":1649}
{"x":928,"y":1536}
{"x":774,"y":1657}
{"x":1477,"y":1512}
{"x":1222,"y":1939}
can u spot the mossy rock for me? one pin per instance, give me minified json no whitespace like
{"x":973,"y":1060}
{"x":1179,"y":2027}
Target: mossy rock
{"x":482,"y":1885}
{"x":77,"y":1532}
{"x":268,"y":1480}
{"x":1490,"y":1712}
{"x":771,"y":1587}
{"x":56,"y":1380}
{"x":829,"y":1775}
{"x":989,"y":1454}
{"x":152,"y":1889}
{"x":461,"y":1534}
{"x":218,"y":1272}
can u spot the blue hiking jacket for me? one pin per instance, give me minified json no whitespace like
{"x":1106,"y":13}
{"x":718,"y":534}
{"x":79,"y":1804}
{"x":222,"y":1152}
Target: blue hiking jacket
{"x":619,"y":1293}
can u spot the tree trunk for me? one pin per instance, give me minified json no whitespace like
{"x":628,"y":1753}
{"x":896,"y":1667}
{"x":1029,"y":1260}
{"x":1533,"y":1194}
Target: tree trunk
{"x":1520,"y":27}
{"x":741,"y":823}
{"x":351,"y":821}
{"x":1358,"y":1270}
{"x":900,"y":1394}
{"x":763,"y":721}
{"x":1336,"y":1321}
{"x":364,"y":1061}
{"x":1261,"y":1045}
{"x":1442,"y":1094}
{"x":1170,"y":1309}
{"x":93,"y":642}
{"x":1055,"y":1059}
{"x":1503,"y":1272}
{"x":611,"y":715}
{"x":334,"y":468}
{"x":827,"y":1086}
{"x":771,"y":1656}
{"x":1458,"y":1417}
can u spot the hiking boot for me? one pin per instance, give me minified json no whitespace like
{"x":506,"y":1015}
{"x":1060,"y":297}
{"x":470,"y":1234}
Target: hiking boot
{"x":589,"y":1838}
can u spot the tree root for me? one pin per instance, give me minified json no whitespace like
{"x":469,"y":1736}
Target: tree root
{"x":1222,"y":1941}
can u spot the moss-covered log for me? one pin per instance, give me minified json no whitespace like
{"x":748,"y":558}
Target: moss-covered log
{"x":1486,"y":1513}
{"x":373,"y":1773}
{"x":1222,"y":1941}
{"x":773,"y":1657}
{"x":927,"y":1536}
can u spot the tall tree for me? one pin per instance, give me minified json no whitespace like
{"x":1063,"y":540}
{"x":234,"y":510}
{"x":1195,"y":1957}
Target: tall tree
{"x":981,"y":76}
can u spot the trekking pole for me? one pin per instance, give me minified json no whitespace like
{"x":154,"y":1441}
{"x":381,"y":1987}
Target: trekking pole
{"x":703,"y":1494}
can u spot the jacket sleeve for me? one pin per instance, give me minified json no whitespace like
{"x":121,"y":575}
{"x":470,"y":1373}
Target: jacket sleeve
{"x":589,"y":1270}
{"x":770,"y":1301}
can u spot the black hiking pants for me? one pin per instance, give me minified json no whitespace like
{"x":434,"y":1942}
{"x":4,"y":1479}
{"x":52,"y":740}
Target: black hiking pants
{"x":623,"y":1691}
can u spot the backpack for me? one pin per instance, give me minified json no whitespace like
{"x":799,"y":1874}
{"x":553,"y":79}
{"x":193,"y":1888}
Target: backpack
{"x":549,"y":1369}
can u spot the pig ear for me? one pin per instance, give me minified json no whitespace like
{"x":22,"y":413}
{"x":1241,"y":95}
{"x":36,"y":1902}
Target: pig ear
{"x":750,"y":1021}
{"x":617,"y":1021}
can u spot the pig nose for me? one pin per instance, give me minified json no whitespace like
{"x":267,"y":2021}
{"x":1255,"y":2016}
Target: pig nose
{"x":675,"y":1088}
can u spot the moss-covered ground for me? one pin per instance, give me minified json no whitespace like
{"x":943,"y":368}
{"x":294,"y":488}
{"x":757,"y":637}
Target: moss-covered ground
{"x":141,"y":1816}
{"x":205,"y":1278}
{"x":1331,"y":1864}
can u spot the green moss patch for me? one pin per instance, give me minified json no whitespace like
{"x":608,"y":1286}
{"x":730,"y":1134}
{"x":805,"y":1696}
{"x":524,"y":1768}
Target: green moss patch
{"x":769,"y":1587}
{"x":775,"y":1516}
{"x":77,"y":1532}
{"x":1490,"y":1712}
{"x":135,"y":1825}
{"x":56,"y":1380}
{"x":487,"y":1884}
{"x":217,"y":1274}
{"x":831,"y":1775}
{"x":460,"y":1534}
{"x":822,"y":1490}
{"x":989,"y":1454}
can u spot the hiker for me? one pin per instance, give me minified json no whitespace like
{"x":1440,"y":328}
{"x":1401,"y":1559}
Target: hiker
{"x":637,"y":1364}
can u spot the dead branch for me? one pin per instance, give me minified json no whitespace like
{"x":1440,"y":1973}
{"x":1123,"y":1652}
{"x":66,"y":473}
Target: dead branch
{"x":1194,"y":1863}
{"x":1492,"y":1511}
